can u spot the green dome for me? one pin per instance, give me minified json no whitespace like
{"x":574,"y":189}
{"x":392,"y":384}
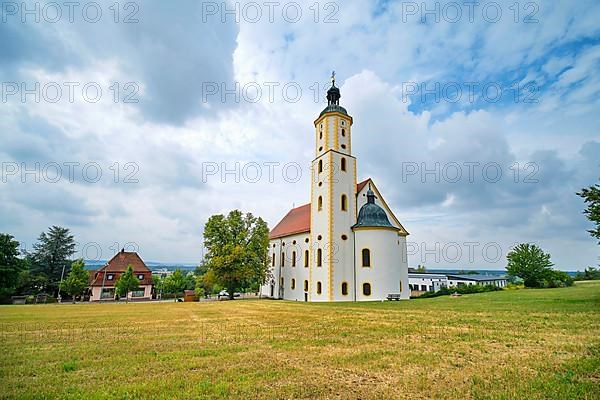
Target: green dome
{"x":371,"y":215}
{"x":334,"y":108}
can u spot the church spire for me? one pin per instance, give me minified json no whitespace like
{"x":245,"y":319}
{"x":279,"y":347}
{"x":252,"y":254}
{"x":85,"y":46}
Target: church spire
{"x":333,"y":94}
{"x":370,"y":195}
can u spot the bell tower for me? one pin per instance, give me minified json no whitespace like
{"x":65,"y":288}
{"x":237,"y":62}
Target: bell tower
{"x":333,"y":203}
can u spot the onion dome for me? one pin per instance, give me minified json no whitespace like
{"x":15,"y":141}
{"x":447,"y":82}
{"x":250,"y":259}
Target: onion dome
{"x":333,"y":99}
{"x":371,"y":215}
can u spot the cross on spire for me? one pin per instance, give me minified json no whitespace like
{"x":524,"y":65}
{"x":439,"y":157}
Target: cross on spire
{"x":333,"y":78}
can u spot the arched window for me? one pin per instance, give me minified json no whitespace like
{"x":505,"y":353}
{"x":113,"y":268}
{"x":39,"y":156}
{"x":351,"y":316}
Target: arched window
{"x":306,"y":286}
{"x":319,"y":258}
{"x":273,"y":263}
{"x":282,"y":259}
{"x":319,"y":203}
{"x":320,"y":166}
{"x":293,"y":283}
{"x":293,"y":258}
{"x":319,"y":288}
{"x":345,"y":288}
{"x":282,"y":281}
{"x":306,"y":258}
{"x":343,"y":164}
{"x":367,"y":289}
{"x":344,"y":203}
{"x":343,"y":132}
{"x":321,"y":134}
{"x":366,"y":257}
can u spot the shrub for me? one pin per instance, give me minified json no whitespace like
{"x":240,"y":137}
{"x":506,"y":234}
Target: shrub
{"x":558,"y":279}
{"x":465,"y":289}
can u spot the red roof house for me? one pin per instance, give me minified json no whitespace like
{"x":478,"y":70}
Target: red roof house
{"x":103,"y":280}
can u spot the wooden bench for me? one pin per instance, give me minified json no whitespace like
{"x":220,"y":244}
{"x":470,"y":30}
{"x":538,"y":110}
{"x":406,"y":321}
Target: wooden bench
{"x":393,"y":296}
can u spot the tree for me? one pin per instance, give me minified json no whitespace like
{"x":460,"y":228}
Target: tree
{"x":206,"y":283}
{"x":420,"y":268}
{"x":589,"y":274}
{"x":10,"y":266}
{"x":77,"y":280}
{"x":530,"y":263}
{"x":177,"y":282}
{"x":51,"y":255}
{"x":127,"y":282}
{"x":591,"y":196}
{"x":237,"y":250}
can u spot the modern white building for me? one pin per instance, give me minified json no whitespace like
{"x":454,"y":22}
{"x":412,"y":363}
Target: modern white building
{"x":425,"y":282}
{"x":473,"y":279}
{"x":421,"y":282}
{"x":346,"y":244}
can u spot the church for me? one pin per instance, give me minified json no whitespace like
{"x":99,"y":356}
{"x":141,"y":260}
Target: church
{"x":346,"y":244}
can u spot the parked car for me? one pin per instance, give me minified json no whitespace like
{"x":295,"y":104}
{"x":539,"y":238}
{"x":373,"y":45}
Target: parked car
{"x":224,"y":293}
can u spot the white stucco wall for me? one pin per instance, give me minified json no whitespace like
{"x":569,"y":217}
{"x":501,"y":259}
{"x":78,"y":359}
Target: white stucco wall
{"x":388,"y":273}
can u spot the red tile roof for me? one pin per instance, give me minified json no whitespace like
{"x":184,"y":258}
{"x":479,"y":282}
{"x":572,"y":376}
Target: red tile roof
{"x":298,"y":219}
{"x":117,"y":265}
{"x":295,"y":221}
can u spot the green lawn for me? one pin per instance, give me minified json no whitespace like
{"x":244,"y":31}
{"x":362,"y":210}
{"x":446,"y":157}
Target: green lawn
{"x":523,"y":344}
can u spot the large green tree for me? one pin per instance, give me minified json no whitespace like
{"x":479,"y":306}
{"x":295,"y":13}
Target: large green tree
{"x":178,"y":281}
{"x":52,"y":254}
{"x":530,"y":263}
{"x":77,"y":280}
{"x":10,"y":266}
{"x":591,"y":196}
{"x":127,"y":282}
{"x":237,"y":250}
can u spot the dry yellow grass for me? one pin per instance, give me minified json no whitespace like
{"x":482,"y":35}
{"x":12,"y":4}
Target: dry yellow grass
{"x":527,"y":344}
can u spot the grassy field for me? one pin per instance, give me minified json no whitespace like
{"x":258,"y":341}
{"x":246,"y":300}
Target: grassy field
{"x":525,"y":344}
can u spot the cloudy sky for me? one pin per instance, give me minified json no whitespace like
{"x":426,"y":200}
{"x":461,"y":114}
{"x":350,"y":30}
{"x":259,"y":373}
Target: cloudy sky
{"x":131,"y":123}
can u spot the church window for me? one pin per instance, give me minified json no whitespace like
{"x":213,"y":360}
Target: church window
{"x":319,"y":258}
{"x":343,"y":164}
{"x":320,"y":203}
{"x":366,"y":289}
{"x":293,"y":283}
{"x":343,"y":132}
{"x":319,"y":237}
{"x":273,"y":263}
{"x":320,"y":148}
{"x":320,"y":184}
{"x":282,"y":259}
{"x":294,"y":242}
{"x":320,"y":134}
{"x":306,"y":286}
{"x":366,"y":257}
{"x":344,"y":237}
{"x":306,"y":258}
{"x":282,"y":281}
{"x":343,"y":146}
{"x":293,"y":258}
{"x":319,"y":288}
{"x":344,"y":203}
{"x":306,"y":240}
{"x":345,"y":288}
{"x":343,"y":122}
{"x":320,"y":166}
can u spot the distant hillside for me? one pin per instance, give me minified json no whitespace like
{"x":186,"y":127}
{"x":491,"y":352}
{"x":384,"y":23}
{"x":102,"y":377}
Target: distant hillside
{"x":95,"y":264}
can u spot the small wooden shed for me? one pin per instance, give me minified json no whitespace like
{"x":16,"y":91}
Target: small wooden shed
{"x":189,"y":295}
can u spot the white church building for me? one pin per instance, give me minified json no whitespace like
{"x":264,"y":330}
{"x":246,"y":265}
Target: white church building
{"x":346,"y":244}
